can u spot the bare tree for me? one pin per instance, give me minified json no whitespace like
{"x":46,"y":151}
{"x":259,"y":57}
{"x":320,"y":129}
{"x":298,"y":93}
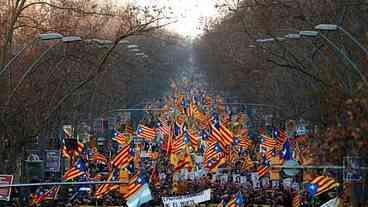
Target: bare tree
{"x":42,"y":100}
{"x":306,"y":77}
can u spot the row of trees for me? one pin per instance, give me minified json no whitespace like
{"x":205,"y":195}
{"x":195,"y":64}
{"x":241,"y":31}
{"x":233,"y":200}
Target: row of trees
{"x":306,"y":77}
{"x":52,"y":82}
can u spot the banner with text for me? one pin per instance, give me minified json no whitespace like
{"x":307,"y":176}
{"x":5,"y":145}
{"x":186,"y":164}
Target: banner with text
{"x":187,"y":200}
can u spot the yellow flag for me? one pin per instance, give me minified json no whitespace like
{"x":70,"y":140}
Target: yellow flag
{"x":174,"y":159}
{"x":123,"y":175}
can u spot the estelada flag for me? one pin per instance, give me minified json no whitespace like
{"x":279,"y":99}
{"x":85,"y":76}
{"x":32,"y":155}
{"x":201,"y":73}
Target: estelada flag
{"x":275,"y":172}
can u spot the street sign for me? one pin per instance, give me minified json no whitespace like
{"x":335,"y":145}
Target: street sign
{"x":5,"y":192}
{"x":52,"y":161}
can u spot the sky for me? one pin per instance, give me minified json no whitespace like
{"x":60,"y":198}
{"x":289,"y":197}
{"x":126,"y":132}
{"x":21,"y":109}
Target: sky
{"x":187,"y":13}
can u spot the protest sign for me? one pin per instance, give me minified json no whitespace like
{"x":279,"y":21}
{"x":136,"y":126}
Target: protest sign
{"x":243,"y":179}
{"x":5,"y":192}
{"x":265,"y":182}
{"x":255,"y":180}
{"x":275,"y":184}
{"x":187,"y":200}
{"x":236,"y":178}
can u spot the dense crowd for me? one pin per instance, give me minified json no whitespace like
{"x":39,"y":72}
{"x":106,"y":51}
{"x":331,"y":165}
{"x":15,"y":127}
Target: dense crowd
{"x":200,"y":134}
{"x":274,"y":197}
{"x":268,"y":196}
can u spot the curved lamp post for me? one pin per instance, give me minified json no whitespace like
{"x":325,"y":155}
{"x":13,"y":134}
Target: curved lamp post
{"x":100,"y":43}
{"x":135,"y":50}
{"x":291,"y":36}
{"x":42,"y":37}
{"x":30,"y":70}
{"x":132,"y":46}
{"x":333,"y":27}
{"x":71,"y":39}
{"x":314,"y":34}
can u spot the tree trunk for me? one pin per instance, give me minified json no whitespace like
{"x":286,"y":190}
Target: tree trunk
{"x":9,"y":33}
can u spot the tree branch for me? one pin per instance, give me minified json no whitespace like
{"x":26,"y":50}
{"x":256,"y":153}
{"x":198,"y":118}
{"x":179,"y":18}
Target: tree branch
{"x":67,"y":8}
{"x":298,"y":69}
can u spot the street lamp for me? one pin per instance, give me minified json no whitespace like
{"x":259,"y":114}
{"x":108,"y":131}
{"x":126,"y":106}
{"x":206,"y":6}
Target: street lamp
{"x":135,"y":50}
{"x":263,"y":40}
{"x":337,"y":49}
{"x":69,"y":39}
{"x":307,"y":33}
{"x":132,"y":46}
{"x":140,"y":54}
{"x":293,"y":36}
{"x":315,"y":34}
{"x":100,"y":43}
{"x":42,"y":37}
{"x":50,"y":36}
{"x":326,"y":27}
{"x":296,"y":36}
{"x":124,"y":42}
{"x":333,"y":27}
{"x":106,"y":42}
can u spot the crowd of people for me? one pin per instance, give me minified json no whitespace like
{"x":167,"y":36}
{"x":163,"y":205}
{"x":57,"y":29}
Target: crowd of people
{"x":219,"y":191}
{"x":280,"y":196}
{"x":193,"y":125}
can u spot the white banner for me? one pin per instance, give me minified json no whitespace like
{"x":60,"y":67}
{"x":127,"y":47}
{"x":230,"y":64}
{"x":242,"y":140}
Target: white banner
{"x":187,"y":200}
{"x":332,"y":203}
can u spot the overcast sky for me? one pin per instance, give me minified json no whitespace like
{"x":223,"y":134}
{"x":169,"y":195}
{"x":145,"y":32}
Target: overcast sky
{"x":187,"y":12}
